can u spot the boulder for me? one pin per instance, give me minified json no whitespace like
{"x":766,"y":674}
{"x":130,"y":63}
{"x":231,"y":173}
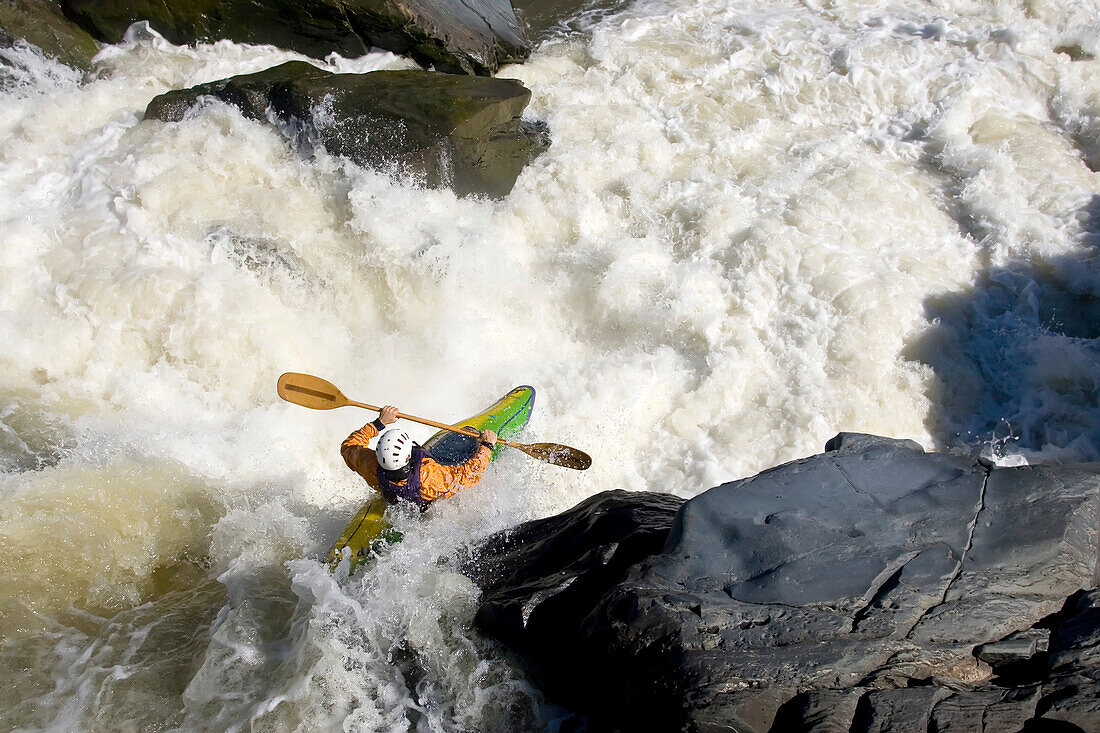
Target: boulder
{"x":459,"y":36}
{"x":565,"y":562}
{"x":542,"y":19}
{"x":439,"y":130}
{"x":872,"y":587}
{"x":41,"y":23}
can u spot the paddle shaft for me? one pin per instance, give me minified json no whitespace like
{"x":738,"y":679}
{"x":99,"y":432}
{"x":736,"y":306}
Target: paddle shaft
{"x":432,"y":423}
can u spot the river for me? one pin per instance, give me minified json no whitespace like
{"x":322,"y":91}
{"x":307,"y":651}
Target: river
{"x":760,"y":223}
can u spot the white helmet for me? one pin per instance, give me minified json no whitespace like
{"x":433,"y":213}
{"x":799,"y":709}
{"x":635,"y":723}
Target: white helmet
{"x":394,"y":449}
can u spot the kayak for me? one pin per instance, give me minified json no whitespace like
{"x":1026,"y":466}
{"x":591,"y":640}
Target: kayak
{"x":370,"y":530}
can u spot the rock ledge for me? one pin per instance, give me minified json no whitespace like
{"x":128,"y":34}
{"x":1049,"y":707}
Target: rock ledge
{"x":872,"y":587}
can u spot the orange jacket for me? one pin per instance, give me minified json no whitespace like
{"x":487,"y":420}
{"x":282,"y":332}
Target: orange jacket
{"x":437,"y":481}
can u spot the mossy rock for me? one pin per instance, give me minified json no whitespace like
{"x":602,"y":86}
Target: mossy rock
{"x":41,"y":23}
{"x":451,"y":35}
{"x":439,"y":130}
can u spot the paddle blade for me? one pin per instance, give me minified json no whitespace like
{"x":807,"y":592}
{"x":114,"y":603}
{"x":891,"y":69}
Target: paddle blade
{"x":310,"y":391}
{"x":557,"y":455}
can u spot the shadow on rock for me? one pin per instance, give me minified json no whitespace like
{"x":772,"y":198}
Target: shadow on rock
{"x":872,"y":587}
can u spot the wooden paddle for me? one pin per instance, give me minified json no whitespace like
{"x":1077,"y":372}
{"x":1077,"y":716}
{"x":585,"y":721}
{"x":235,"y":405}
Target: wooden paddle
{"x":320,"y":394}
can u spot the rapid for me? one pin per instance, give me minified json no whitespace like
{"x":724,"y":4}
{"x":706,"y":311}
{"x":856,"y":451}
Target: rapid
{"x":760,"y":223}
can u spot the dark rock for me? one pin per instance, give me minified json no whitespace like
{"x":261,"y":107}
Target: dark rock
{"x":1062,"y":694}
{"x":873,"y":587}
{"x":900,"y":709}
{"x":41,"y":23}
{"x":460,"y":36}
{"x":1071,"y":690}
{"x":1075,"y":51}
{"x":817,"y":710}
{"x":437,"y":129}
{"x":536,"y":577}
{"x":1015,"y":649}
{"x":542,"y":579}
{"x":543,"y":19}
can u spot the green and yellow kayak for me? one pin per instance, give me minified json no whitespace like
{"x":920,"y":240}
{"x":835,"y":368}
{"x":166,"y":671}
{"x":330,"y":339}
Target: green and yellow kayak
{"x":370,"y":530}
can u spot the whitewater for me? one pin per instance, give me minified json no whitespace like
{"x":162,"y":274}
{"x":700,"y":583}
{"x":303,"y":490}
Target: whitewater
{"x":760,"y":223}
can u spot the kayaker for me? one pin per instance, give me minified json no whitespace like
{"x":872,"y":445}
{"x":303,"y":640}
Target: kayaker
{"x":401,"y":470}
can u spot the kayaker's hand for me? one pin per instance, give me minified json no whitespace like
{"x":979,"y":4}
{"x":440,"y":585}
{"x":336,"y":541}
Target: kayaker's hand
{"x":388,"y":415}
{"x":488,"y":436}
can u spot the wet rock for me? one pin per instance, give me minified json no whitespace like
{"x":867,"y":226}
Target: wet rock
{"x":1076,"y":51}
{"x":41,"y":23}
{"x":439,"y":130}
{"x":541,"y":577}
{"x":543,"y":19}
{"x":460,"y":36}
{"x":872,"y":587}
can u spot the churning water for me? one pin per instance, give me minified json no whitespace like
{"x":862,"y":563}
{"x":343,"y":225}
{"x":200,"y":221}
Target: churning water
{"x":759,"y":224}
